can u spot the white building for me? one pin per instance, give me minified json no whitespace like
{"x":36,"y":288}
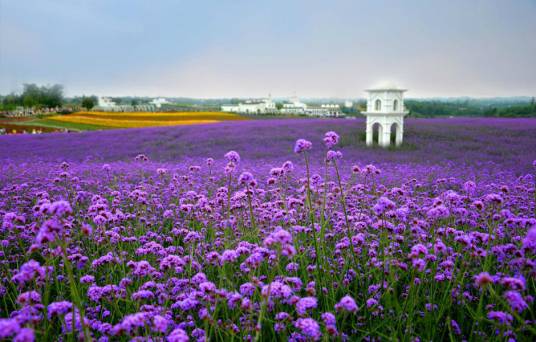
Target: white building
{"x":385,"y":113}
{"x":295,"y":106}
{"x":106,"y":103}
{"x":348,"y":104}
{"x":158,"y":102}
{"x":324,"y":110}
{"x":263,"y":106}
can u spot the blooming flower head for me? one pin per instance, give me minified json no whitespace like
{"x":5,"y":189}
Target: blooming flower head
{"x":516,"y":301}
{"x":483,"y":279}
{"x":384,"y":204}
{"x":371,"y":302}
{"x":302,"y":145}
{"x":305,"y":304}
{"x":142,"y":158}
{"x":246,"y":178}
{"x":455,"y":327}
{"x":233,"y":157}
{"x":177,"y":335}
{"x":288,"y":166}
{"x":500,"y":317}
{"x":309,"y":327}
{"x":331,"y":139}
{"x":333,"y":155}
{"x":60,"y":208}
{"x":529,"y":242}
{"x":25,"y":335}
{"x":30,"y":271}
{"x":59,"y":308}
{"x":347,"y":303}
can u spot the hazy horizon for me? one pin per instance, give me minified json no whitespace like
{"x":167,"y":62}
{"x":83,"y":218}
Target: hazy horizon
{"x":217,"y":49}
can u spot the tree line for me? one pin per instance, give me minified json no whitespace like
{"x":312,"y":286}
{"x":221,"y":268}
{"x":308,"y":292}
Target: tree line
{"x":51,"y":96}
{"x":474,"y":107}
{"x":34,"y":96}
{"x":44,"y":96}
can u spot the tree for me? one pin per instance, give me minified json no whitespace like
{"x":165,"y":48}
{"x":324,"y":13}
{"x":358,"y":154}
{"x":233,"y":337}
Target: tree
{"x":52,"y":95}
{"x":31,"y":95}
{"x":89,"y":102}
{"x":11,"y":101}
{"x":46,"y":96}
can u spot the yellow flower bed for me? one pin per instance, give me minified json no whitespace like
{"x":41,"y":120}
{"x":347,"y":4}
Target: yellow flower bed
{"x":145,"y":119}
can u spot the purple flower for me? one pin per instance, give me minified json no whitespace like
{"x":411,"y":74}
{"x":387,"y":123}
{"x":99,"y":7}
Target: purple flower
{"x":247,"y":289}
{"x":514,"y":283}
{"x":529,"y":242}
{"x":500,"y":317}
{"x":160,"y":324}
{"x":438,"y":212}
{"x":309,"y":327}
{"x":60,"y":208}
{"x":347,"y":303}
{"x":177,"y":335}
{"x":288,"y":167}
{"x":229,"y":255}
{"x":384,"y":204}
{"x":333,"y":155}
{"x":282,"y":316}
{"x":25,"y":335}
{"x":305,"y":304}
{"x":8,"y":327}
{"x":331,"y":139}
{"x":302,"y":145}
{"x":141,"y":157}
{"x":246,"y":178}
{"x":371,"y":302}
{"x":483,"y":279}
{"x":276,"y":290}
{"x":58,"y":308}
{"x":30,"y":271}
{"x":142,"y":294}
{"x":233,"y":157}
{"x":87,"y":279}
{"x":329,"y":318}
{"x":455,"y":327}
{"x":516,"y":301}
{"x":29,"y":298}
{"x":207,"y":287}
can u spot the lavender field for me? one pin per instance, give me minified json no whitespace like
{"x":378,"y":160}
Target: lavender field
{"x":270,"y":230}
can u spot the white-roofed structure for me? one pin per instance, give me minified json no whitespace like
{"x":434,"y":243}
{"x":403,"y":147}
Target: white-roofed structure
{"x":264,"y":106}
{"x":385,"y":113}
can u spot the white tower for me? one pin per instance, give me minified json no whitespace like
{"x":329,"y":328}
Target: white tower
{"x":385,"y":112}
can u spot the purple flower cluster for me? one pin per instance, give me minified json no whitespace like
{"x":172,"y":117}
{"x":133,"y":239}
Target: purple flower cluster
{"x":221,"y":249}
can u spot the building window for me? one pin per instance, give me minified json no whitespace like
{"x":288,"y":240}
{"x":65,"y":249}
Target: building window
{"x":395,"y":105}
{"x":378,"y":105}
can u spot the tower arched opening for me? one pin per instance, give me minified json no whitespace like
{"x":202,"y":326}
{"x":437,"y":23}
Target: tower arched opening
{"x":378,"y":105}
{"x":377,"y":133}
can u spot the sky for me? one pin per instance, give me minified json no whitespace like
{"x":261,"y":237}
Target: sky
{"x":250,"y":48}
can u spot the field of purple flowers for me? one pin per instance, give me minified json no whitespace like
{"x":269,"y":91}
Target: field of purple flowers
{"x":270,"y":230}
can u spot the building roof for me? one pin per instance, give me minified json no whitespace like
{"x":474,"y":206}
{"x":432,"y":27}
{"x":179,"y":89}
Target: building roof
{"x":385,"y":86}
{"x":385,"y":89}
